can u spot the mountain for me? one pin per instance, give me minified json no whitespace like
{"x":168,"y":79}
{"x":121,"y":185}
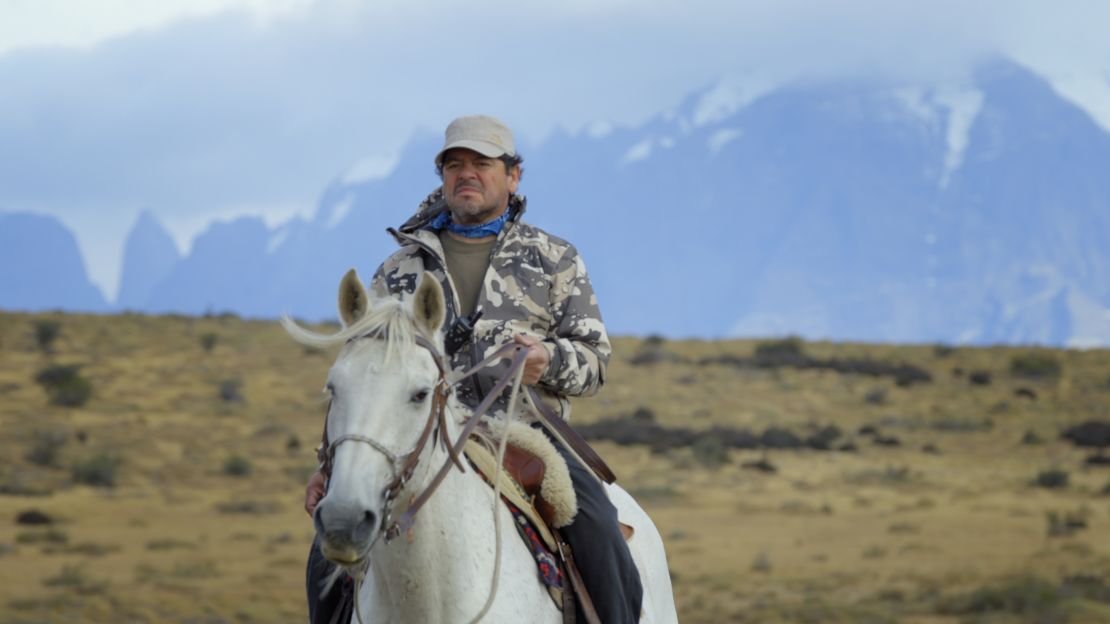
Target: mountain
{"x":149,"y":256}
{"x":972,"y":212}
{"x":41,"y":267}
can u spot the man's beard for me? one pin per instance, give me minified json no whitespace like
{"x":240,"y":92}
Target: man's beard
{"x":471,"y":212}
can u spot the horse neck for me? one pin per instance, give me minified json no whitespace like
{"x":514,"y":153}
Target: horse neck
{"x":445,"y":565}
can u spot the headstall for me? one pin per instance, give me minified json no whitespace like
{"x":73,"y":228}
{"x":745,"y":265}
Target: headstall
{"x":403,"y":466}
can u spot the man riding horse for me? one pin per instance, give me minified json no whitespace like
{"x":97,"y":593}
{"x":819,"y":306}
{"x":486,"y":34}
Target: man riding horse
{"x":508,"y":281}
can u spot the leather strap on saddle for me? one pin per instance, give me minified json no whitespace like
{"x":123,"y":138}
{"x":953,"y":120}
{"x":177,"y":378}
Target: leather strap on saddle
{"x":572,"y":438}
{"x":583,"y":596}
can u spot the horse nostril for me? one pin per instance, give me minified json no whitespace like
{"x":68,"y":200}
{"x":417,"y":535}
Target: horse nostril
{"x":366,"y":527}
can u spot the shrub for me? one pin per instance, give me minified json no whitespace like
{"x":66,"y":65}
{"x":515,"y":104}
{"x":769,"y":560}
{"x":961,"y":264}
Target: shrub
{"x":789,"y":347}
{"x":208,"y":341}
{"x":46,"y":331}
{"x":1031,"y":437}
{"x":961,"y":425}
{"x":46,"y":446}
{"x":293,"y":444}
{"x":876,"y":396}
{"x":73,"y":579}
{"x":229,"y":391}
{"x":1053,"y":478}
{"x":710,"y":451}
{"x":761,"y":563}
{"x":98,"y":470}
{"x":65,"y":385}
{"x":237,"y":466}
{"x":1036,"y":365}
{"x":980,"y":378}
{"x":249,"y":507}
{"x":33,"y":517}
{"x":170,"y":543}
{"x":943,"y":350}
{"x":48,"y":536}
{"x":1066,"y":523}
{"x":1026,"y":595}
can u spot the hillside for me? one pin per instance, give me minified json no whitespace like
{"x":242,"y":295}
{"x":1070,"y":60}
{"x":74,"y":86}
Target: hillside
{"x":939,"y":499}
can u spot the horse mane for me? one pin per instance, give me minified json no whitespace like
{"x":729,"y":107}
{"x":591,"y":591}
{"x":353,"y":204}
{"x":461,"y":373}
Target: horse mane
{"x":387,"y":317}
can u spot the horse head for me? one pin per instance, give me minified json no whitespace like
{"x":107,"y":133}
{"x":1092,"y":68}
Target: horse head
{"x":382,"y":390}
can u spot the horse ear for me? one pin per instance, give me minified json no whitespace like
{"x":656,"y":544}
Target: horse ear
{"x":353,"y":301}
{"x":429,"y":305}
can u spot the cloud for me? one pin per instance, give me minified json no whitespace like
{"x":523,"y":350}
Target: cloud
{"x":250,"y":107}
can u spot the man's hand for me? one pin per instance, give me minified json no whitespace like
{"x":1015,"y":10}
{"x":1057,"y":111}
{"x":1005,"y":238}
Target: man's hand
{"x":535,"y":364}
{"x":314,"y":492}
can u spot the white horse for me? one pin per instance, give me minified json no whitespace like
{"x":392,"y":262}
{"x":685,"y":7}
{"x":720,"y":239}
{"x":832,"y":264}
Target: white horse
{"x":382,"y":387}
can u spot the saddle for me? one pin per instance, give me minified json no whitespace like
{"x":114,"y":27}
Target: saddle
{"x":535,"y":482}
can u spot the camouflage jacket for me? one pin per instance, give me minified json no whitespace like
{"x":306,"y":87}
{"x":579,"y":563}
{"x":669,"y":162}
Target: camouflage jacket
{"x":536,"y":284}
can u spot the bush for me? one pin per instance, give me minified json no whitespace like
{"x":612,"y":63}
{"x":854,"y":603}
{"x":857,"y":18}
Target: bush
{"x":710,"y":451}
{"x":1064,"y":524}
{"x":98,"y":470}
{"x":45,"y":448}
{"x":943,"y":350}
{"x":229,"y":391}
{"x":208,"y":341}
{"x":980,"y":378}
{"x":237,"y":466}
{"x":788,"y":347}
{"x":876,"y":396}
{"x":1036,"y":365}
{"x":1027,"y":595}
{"x":761,"y":563}
{"x":73,"y":578}
{"x":46,"y":331}
{"x":48,"y":536}
{"x":1031,"y":437}
{"x":1053,"y":479}
{"x":65,"y":385}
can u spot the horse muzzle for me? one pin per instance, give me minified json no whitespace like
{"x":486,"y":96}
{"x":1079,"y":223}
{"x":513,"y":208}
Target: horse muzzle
{"x":346,"y":532}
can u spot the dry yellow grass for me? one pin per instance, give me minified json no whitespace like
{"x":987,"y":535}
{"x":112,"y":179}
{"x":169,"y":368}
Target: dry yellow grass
{"x":885,"y":534}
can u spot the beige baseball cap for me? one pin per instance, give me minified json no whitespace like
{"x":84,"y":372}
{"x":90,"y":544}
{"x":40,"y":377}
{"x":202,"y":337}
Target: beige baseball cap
{"x":484,"y":134}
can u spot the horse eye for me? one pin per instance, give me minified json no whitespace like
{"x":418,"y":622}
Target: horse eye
{"x":419,"y":395}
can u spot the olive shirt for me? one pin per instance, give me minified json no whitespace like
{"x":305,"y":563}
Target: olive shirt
{"x":467,"y":264}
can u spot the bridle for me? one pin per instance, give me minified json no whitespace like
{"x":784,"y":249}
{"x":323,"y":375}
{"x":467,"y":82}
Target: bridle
{"x":403,"y":466}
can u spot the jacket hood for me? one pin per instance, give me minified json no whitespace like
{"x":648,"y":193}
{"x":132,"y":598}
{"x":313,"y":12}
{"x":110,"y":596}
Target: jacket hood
{"x":434,"y":204}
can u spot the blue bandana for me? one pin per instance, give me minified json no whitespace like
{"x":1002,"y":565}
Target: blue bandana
{"x":490,"y":228}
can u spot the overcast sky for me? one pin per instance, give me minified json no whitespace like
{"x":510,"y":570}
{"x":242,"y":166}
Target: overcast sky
{"x":204,"y":109}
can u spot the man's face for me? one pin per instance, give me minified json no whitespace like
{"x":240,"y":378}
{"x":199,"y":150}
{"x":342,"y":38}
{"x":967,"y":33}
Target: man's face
{"x":476,"y":187}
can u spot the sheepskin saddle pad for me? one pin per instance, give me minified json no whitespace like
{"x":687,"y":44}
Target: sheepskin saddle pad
{"x":535,"y":478}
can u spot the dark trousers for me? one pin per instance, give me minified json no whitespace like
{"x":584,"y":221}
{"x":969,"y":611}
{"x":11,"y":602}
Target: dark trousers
{"x":335,"y":606}
{"x":600,"y":551}
{"x":595,"y":538}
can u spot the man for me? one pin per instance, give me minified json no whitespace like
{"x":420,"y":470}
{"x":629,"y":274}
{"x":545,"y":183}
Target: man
{"x":508,"y":281}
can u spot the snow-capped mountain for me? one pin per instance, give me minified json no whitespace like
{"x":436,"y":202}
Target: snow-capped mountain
{"x":972,"y":212}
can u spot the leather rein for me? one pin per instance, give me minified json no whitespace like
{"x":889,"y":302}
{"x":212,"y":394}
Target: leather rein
{"x":404,"y":466}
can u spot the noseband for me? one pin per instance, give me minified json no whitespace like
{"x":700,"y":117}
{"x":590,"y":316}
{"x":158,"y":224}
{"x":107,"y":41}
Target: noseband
{"x":403,"y":466}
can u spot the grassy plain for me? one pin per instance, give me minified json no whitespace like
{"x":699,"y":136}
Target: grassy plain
{"x":206,"y":428}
